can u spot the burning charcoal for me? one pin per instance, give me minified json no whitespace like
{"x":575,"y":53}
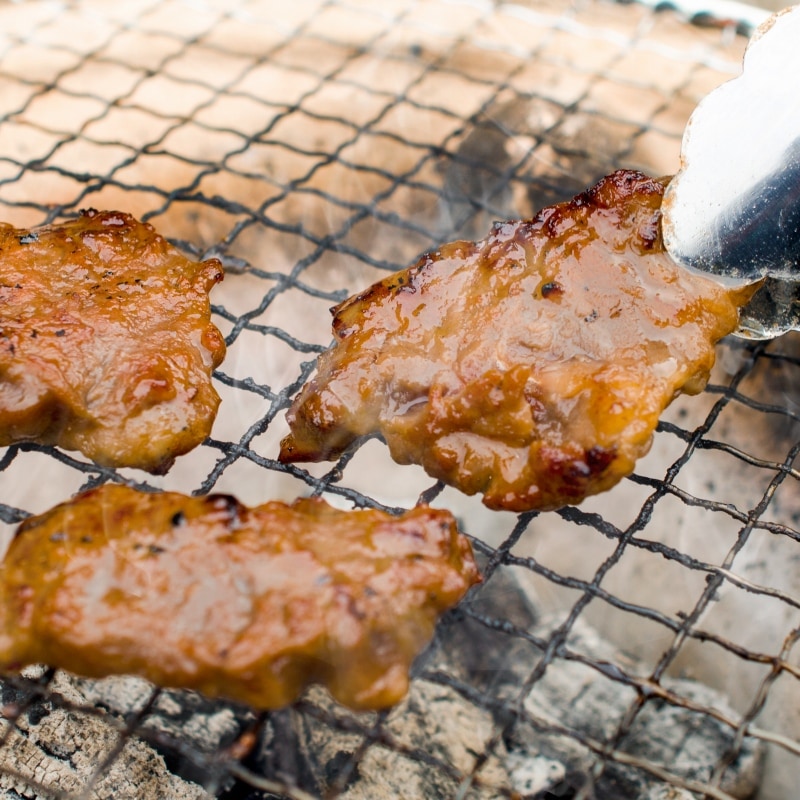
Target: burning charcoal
{"x":52,"y":747}
{"x":188,"y":729}
{"x":579,"y":698}
{"x":476,"y":186}
{"x":434,"y":724}
{"x":493,"y":660}
{"x":585,"y":696}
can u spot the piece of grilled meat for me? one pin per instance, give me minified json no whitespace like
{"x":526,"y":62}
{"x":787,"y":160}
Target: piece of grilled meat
{"x":106,"y":344}
{"x":249,"y":604}
{"x":531,"y":366}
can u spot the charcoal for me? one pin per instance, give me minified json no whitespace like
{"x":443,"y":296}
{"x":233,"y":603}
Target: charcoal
{"x":480,"y":643}
{"x":188,"y":729}
{"x":576,"y":704}
{"x":54,"y":748}
{"x":476,"y":187}
{"x":424,"y":748}
{"x":581,"y":700}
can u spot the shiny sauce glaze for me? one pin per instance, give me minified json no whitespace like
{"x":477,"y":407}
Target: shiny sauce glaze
{"x":530,"y":367}
{"x":106,"y":343}
{"x":249,"y":604}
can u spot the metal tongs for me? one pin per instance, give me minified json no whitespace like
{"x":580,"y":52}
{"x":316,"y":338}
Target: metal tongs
{"x":733,"y":209}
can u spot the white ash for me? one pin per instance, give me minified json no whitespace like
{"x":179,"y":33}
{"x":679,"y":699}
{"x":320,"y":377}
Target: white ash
{"x":51,"y":752}
{"x":579,"y":698}
{"x":433,"y":719}
{"x":582,"y":699}
{"x":203,"y":725}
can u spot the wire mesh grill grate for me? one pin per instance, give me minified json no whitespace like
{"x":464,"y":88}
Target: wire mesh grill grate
{"x":313,"y":146}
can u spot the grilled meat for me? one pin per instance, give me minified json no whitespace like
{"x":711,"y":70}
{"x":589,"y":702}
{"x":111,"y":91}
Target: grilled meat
{"x":248,"y":604}
{"x":532,"y":366}
{"x":106,"y":344}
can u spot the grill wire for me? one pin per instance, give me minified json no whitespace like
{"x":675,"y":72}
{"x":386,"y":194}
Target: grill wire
{"x":313,"y":146}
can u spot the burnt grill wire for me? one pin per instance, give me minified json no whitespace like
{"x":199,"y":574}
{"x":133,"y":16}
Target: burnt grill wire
{"x":313,"y":146}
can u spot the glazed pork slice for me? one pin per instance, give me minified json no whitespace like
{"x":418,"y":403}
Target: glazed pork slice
{"x":250,"y":604}
{"x":530,"y":367}
{"x":106,"y":343}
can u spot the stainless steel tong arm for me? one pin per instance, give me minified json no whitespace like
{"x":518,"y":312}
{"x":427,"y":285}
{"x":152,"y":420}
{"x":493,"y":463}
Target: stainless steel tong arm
{"x":733,"y":209}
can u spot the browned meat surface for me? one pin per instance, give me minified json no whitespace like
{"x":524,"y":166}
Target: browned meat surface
{"x":531,"y":366}
{"x":106,"y":344}
{"x":248,"y":604}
